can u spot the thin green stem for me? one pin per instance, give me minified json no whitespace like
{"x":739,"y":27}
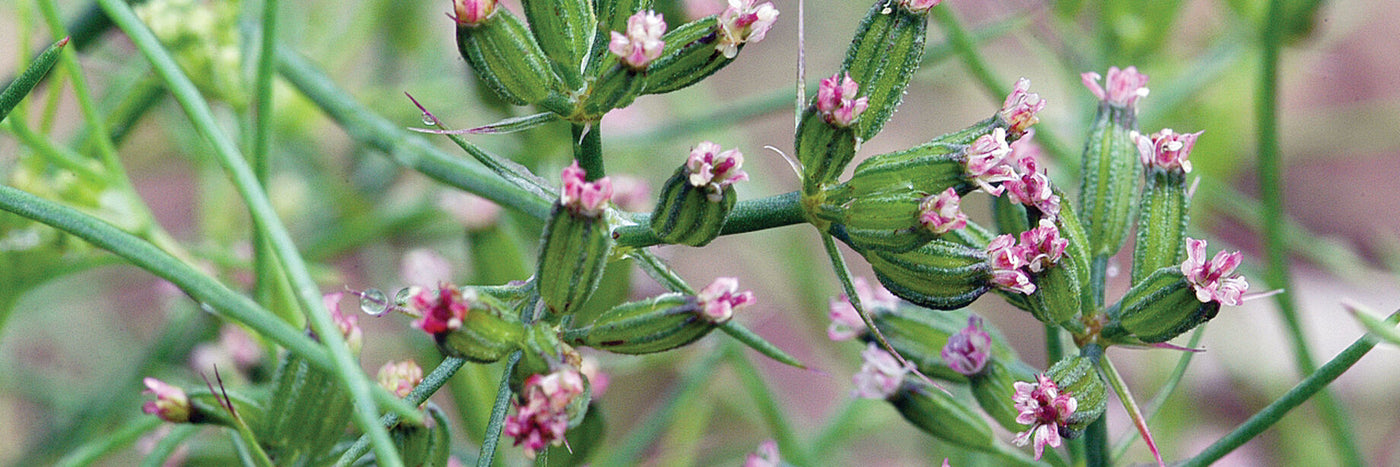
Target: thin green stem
{"x":588,"y":150}
{"x":1115,"y":380}
{"x":1271,"y":189}
{"x":1275,"y":411}
{"x":347,"y":370}
{"x":1154,"y":407}
{"x":492,"y":437}
{"x":105,"y":148}
{"x":269,"y":283}
{"x":30,"y":78}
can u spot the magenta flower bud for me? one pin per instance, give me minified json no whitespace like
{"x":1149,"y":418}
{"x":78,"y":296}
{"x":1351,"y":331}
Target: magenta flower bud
{"x":719,"y":299}
{"x":708,"y":166}
{"x":581,"y":196}
{"x":1042,"y":246}
{"x":836,"y":99}
{"x":1213,"y":281}
{"x":1166,"y":150}
{"x":845,"y":322}
{"x":966,"y":352}
{"x":1007,"y":258}
{"x":1045,"y":409}
{"x":642,"y":43}
{"x":941,"y":214}
{"x":400,"y":378}
{"x":1125,"y":86}
{"x":985,"y":159}
{"x":171,"y":404}
{"x":742,"y":22}
{"x":919,"y":6}
{"x":542,"y":415}
{"x":441,"y":310}
{"x":880,"y":374}
{"x":472,"y":12}
{"x":1020,"y":108}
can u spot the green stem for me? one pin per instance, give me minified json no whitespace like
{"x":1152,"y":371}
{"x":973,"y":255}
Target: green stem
{"x":1275,"y":411}
{"x":31,"y":76}
{"x":347,"y":369}
{"x":1275,"y":244}
{"x":1099,"y":454}
{"x":105,"y":148}
{"x":778,"y":424}
{"x":1155,"y":405}
{"x":747,"y":216}
{"x":588,"y":150}
{"x":492,"y":437}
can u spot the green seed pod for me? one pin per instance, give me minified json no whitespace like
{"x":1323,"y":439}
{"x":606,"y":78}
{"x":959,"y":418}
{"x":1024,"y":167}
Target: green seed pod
{"x":541,"y":352}
{"x":1078,"y":248}
{"x":1077,"y":377}
{"x":919,"y":336}
{"x":1161,"y":223}
{"x":939,"y":414}
{"x":887,"y":48}
{"x":422,"y":445}
{"x":1057,"y":297}
{"x":823,"y":149}
{"x":690,"y":215}
{"x":501,"y":51}
{"x":654,"y":325}
{"x":940,"y":274}
{"x":306,"y":414}
{"x":573,"y":252}
{"x":993,"y":386}
{"x":1112,"y":173}
{"x":563,"y":29}
{"x":690,"y":56}
{"x":1160,"y":307}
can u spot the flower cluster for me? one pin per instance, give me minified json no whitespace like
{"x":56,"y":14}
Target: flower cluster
{"x":880,"y":374}
{"x":837,"y":101}
{"x":1214,"y":281}
{"x":941,"y":214}
{"x":1125,"y":86}
{"x":582,"y":196}
{"x":966,"y":352}
{"x":1045,"y":408}
{"x":845,"y":322}
{"x":709,"y":167}
{"x":1166,"y":150}
{"x":440,"y":310}
{"x":1039,"y":248}
{"x":719,"y":299}
{"x":642,"y":43}
{"x":744,"y":21}
{"x":542,"y":418}
{"x":472,"y":12}
{"x":1020,"y":108}
{"x":399,"y":378}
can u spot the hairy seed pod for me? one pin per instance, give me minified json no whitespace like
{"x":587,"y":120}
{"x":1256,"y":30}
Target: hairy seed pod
{"x":1077,"y":377}
{"x":687,"y":214}
{"x":1162,"y":223}
{"x":885,"y":52}
{"x":654,"y":325}
{"x":1112,"y":174}
{"x":690,"y":56}
{"x":940,"y":415}
{"x":563,"y":29}
{"x":994,"y":383}
{"x":940,"y":274}
{"x":574,"y":250}
{"x":505,"y":57}
{"x":1160,"y":307}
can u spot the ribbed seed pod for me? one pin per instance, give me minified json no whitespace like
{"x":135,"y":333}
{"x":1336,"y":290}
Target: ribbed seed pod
{"x":505,"y":57}
{"x":1161,"y":223}
{"x":1077,"y":377}
{"x":306,"y":414}
{"x":1058,"y":293}
{"x":1160,"y":307}
{"x":823,"y":149}
{"x":940,"y":415}
{"x":940,"y":274}
{"x":928,"y":168}
{"x":887,"y":48}
{"x":563,"y":29}
{"x":654,"y":325}
{"x":993,"y":385}
{"x":686,"y":215}
{"x":1112,"y":173}
{"x":574,"y":250}
{"x":690,"y":56}
{"x":1078,"y":248}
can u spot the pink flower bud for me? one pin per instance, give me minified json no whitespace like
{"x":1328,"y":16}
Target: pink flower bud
{"x":171,"y":404}
{"x":1034,"y":190}
{"x":581,"y":196}
{"x":1213,"y":281}
{"x":1045,"y":409}
{"x":642,"y":43}
{"x":472,"y":12}
{"x":744,"y":22}
{"x":441,"y":310}
{"x":1125,"y":86}
{"x":1166,"y":150}
{"x":400,"y":378}
{"x":717,"y":170}
{"x":836,"y":99}
{"x":1043,"y":246}
{"x":880,"y":374}
{"x":966,"y":352}
{"x":940,"y":213}
{"x":1019,"y":110}
{"x":1007,"y":258}
{"x":767,"y":453}
{"x":719,"y":299}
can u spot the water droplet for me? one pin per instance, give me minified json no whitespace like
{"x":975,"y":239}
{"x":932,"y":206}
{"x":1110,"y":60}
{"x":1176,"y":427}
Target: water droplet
{"x":401,"y":298}
{"x":429,"y":119}
{"x":373,"y":302}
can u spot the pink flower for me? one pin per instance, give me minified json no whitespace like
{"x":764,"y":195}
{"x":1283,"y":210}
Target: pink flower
{"x":1025,"y":154}
{"x":940,"y":213}
{"x":714,"y":169}
{"x":1166,"y":150}
{"x":719,"y":299}
{"x":400,"y":377}
{"x":845,"y":322}
{"x":1007,"y":258}
{"x":542,"y":415}
{"x":836,"y":99}
{"x":765,"y":456}
{"x":1043,"y":246}
{"x":642,"y":43}
{"x":1045,"y":409}
{"x":347,"y":323}
{"x":1125,"y":86}
{"x":744,"y":22}
{"x":581,"y":196}
{"x":171,"y":404}
{"x":442,"y":310}
{"x":880,"y":374}
{"x":472,"y":12}
{"x":919,"y":6}
{"x":1033,"y":189}
{"x":966,"y":352}
{"x":1213,"y":281}
{"x":985,"y":162}
{"x":1019,"y":110}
